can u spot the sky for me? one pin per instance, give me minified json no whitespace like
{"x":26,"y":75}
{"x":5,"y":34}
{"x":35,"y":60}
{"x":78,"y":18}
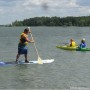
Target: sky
{"x":11,"y":10}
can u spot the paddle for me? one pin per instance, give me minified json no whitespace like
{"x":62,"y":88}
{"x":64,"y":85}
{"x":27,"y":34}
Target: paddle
{"x":64,"y":43}
{"x":39,"y":59}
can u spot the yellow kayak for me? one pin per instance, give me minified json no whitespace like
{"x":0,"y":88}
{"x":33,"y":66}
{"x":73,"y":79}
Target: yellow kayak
{"x":67,"y":47}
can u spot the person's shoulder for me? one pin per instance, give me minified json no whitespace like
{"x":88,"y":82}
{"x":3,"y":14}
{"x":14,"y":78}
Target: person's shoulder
{"x":22,"y":33}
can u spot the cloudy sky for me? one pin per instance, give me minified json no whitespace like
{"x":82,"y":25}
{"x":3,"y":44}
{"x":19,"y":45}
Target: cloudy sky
{"x":11,"y":10}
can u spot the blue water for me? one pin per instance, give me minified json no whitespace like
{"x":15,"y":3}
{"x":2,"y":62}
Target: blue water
{"x":71,"y":69}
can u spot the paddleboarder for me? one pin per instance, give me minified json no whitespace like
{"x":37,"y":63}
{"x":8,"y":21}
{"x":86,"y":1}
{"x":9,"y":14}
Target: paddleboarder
{"x":22,"y":46}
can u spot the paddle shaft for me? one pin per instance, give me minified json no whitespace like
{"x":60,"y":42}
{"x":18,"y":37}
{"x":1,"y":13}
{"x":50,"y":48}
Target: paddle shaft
{"x":35,"y":45}
{"x":39,"y":59}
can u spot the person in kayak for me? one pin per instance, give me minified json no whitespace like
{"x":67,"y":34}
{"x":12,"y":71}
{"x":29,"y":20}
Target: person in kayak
{"x":22,"y":46}
{"x":72,"y":43}
{"x":83,"y":43}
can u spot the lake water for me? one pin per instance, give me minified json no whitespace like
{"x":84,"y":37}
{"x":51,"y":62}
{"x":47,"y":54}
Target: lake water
{"x":71,"y":69}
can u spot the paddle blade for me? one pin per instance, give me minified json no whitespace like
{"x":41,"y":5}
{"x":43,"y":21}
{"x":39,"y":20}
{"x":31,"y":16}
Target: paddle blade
{"x":40,"y":60}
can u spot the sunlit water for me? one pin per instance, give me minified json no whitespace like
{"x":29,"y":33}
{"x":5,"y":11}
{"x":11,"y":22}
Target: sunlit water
{"x":70,"y":68}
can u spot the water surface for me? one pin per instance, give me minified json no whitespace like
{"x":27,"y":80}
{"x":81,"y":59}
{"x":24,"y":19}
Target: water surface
{"x":70,"y":68}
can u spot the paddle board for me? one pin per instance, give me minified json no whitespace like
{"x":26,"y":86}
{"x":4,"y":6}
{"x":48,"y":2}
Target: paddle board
{"x":23,"y":62}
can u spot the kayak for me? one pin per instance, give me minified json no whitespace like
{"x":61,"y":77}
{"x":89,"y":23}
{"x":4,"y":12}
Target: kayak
{"x":83,"y":49}
{"x":67,"y":47}
{"x":73,"y":48}
{"x":2,"y":63}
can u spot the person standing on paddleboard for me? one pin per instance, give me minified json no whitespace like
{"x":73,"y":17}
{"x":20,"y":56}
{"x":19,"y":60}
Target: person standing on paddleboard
{"x":22,"y":46}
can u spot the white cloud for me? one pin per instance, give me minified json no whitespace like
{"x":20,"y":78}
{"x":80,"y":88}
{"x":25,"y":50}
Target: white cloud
{"x":84,"y":10}
{"x":10,"y":10}
{"x":1,"y":11}
{"x":72,"y":3}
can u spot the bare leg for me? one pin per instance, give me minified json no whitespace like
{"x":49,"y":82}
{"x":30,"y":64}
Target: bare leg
{"x":17,"y":57}
{"x":26,"y":59}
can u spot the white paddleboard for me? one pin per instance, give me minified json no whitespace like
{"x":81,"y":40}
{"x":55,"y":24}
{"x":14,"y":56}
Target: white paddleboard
{"x":23,"y":62}
{"x":36,"y":62}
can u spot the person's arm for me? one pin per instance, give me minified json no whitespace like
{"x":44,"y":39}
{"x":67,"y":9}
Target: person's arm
{"x":70,"y":44}
{"x":80,"y":45}
{"x":84,"y":44}
{"x":27,"y":39}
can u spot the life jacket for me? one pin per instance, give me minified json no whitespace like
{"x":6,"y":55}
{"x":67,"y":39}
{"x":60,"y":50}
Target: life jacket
{"x":23,"y":41}
{"x":82,"y":45}
{"x":73,"y":44}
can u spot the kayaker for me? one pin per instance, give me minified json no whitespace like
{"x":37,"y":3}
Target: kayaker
{"x":72,"y":43}
{"x":22,"y":46}
{"x":83,"y":43}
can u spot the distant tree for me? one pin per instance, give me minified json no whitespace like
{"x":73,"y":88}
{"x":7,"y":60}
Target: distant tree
{"x":54,"y":21}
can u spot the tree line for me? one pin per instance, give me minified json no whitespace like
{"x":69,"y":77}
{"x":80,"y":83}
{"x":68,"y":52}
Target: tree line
{"x":54,"y":21}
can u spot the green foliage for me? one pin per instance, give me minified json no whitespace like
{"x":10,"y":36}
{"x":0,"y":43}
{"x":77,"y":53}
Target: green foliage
{"x":54,"y":21}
